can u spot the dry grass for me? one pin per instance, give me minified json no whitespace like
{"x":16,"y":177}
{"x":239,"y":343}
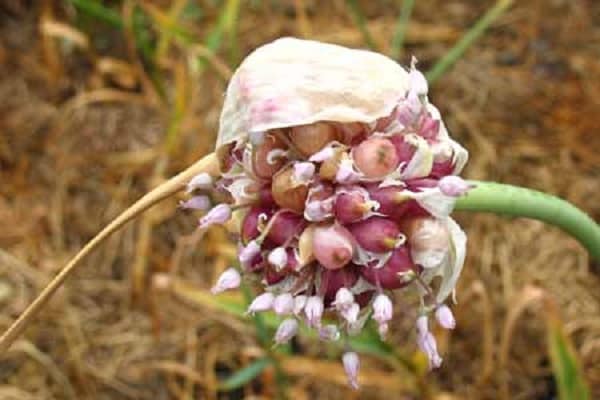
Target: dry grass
{"x":84,"y":132}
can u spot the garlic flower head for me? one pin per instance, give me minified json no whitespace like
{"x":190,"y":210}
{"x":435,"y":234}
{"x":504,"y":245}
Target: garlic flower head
{"x":342,"y":167}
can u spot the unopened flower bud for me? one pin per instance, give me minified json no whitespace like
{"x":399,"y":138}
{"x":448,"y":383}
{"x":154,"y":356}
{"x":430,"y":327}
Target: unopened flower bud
{"x":344,"y":299}
{"x":329,"y":333}
{"x":201,"y":181}
{"x":318,"y":210}
{"x":248,"y":253}
{"x":314,"y":310}
{"x":278,"y":258}
{"x":376,"y":234}
{"x":375,"y":157}
{"x":217,"y":215}
{"x":230,"y":279}
{"x":322,"y":155}
{"x":283,"y":304}
{"x":345,"y":173}
{"x":262,"y":302}
{"x":382,"y":308}
{"x":444,"y":317}
{"x":429,"y":128}
{"x":332,"y":280}
{"x":299,"y":303}
{"x":351,"y":365}
{"x":196,"y":203}
{"x":426,"y":343}
{"x":417,"y":81}
{"x":304,"y":171}
{"x":453,"y":186}
{"x":350,"y":313}
{"x":286,"y":330}
{"x":333,"y":246}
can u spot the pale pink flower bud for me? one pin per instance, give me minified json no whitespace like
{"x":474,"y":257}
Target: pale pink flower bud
{"x":329,"y":332}
{"x":382,"y":308}
{"x":417,"y":81}
{"x":454,"y":186}
{"x":429,"y":128}
{"x":283,"y":304}
{"x":230,"y":279}
{"x":299,"y":303}
{"x":248,"y":253}
{"x":333,"y":246}
{"x":318,"y":210}
{"x":201,"y":181}
{"x":344,"y":299}
{"x":262,"y":302}
{"x":322,"y":155}
{"x":217,"y":215}
{"x":350,"y":313}
{"x":351,"y":366}
{"x":346,"y":173}
{"x":444,"y":317}
{"x":314,"y":310}
{"x":278,"y":258}
{"x":304,"y":171}
{"x":196,"y":203}
{"x":427,"y":344}
{"x":286,"y":330}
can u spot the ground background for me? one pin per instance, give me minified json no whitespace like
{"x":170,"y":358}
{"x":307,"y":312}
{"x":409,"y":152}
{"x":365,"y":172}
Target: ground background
{"x":93,"y":114}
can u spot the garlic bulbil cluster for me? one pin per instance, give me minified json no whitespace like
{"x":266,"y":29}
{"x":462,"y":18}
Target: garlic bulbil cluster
{"x":345,"y":177}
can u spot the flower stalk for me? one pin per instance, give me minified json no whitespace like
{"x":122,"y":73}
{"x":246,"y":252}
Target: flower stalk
{"x":514,"y":201}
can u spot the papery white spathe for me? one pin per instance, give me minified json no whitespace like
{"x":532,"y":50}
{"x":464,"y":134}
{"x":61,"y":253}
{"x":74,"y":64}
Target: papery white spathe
{"x":450,"y":268}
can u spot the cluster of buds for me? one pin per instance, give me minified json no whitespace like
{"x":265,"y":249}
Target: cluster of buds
{"x":344,"y":187}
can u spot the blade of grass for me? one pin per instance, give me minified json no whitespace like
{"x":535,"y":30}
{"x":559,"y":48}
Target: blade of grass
{"x":99,"y":11}
{"x":467,"y":40}
{"x":359,"y":19}
{"x":230,"y":23}
{"x":246,"y":374}
{"x":569,"y":378}
{"x":398,"y":39}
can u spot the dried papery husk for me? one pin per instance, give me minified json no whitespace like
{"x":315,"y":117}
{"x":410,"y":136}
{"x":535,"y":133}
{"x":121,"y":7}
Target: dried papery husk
{"x":429,"y":240}
{"x":329,"y":167}
{"x":287,"y":192}
{"x":263,"y":167}
{"x":292,"y":82}
{"x":305,"y":245}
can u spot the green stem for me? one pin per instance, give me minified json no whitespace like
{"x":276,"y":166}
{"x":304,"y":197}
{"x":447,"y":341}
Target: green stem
{"x":520,"y":202}
{"x":467,"y":40}
{"x":401,"y":25}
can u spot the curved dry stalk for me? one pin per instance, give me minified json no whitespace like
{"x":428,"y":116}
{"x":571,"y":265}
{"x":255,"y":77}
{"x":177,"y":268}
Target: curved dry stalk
{"x":477,"y":289}
{"x":207,"y":164}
